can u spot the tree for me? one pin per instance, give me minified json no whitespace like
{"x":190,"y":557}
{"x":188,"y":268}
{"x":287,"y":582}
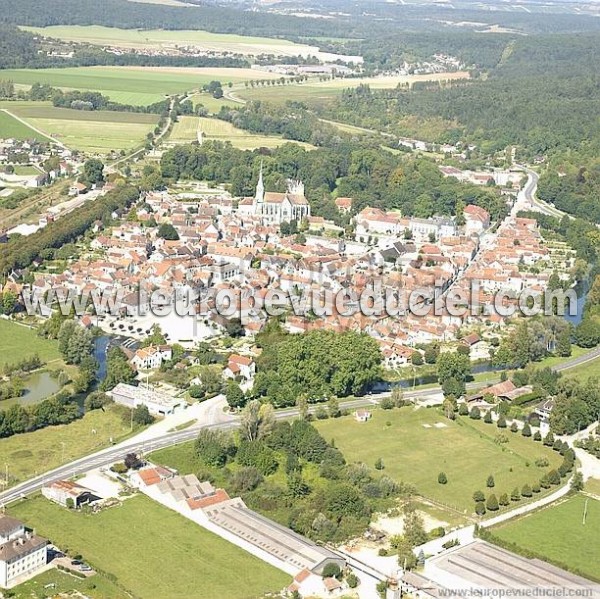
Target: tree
{"x":416,"y":359}
{"x":492,"y":503}
{"x":331,"y":570}
{"x":257,"y":420}
{"x":168,"y":232}
{"x":526,"y":491}
{"x":515,"y":495}
{"x":503,"y":500}
{"x":526,"y":430}
{"x":234,"y":395}
{"x":74,"y":342}
{"x":514,"y":427}
{"x":379,"y":464}
{"x":132,"y":462}
{"x":246,"y":479}
{"x":142,"y":416}
{"x":501,"y":423}
{"x":488,"y":417}
{"x":352,"y":580}
{"x":478,"y":496}
{"x":93,"y":172}
{"x":452,"y":365}
{"x":549,"y":440}
{"x":480,"y":508}
{"x":563,"y":343}
{"x":442,"y":478}
{"x":490,"y":483}
{"x":554,"y":477}
{"x":211,"y":447}
{"x":234,"y":327}
{"x":537,"y":436}
{"x":577,"y":481}
{"x":118,"y":370}
{"x":475,"y":414}
{"x":333,"y":407}
{"x":156,"y":337}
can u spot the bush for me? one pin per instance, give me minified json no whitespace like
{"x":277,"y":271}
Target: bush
{"x":442,"y":478}
{"x":379,"y":464}
{"x":501,"y":422}
{"x":387,"y":403}
{"x":475,"y":414}
{"x":535,"y":487}
{"x":526,"y":430}
{"x":463,"y":409}
{"x":515,"y":495}
{"x":503,"y":499}
{"x":478,"y":496}
{"x":321,"y":413}
{"x":490,"y":482}
{"x":526,"y":491}
{"x":480,"y":508}
{"x":492,"y":503}
{"x":352,"y":580}
{"x":537,"y":436}
{"x":554,"y":477}
{"x":331,"y":571}
{"x":514,"y":428}
{"x":488,"y":417}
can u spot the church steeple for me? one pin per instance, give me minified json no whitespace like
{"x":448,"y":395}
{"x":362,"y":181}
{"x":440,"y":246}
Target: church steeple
{"x":260,"y":187}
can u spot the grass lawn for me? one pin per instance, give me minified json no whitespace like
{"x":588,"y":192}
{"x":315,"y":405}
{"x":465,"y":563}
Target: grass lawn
{"x":212,"y":104}
{"x":415,"y":451}
{"x":132,"y":85}
{"x":186,"y":130}
{"x":557,"y":533}
{"x":97,"y":586}
{"x":26,"y":171}
{"x":33,"y":453}
{"x":12,"y":128}
{"x":592,"y":485}
{"x":93,"y":131}
{"x":584,"y":371}
{"x":18,"y":342}
{"x":154,"y":552}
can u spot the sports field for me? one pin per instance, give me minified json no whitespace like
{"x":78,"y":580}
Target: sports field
{"x":559,"y":534}
{"x":139,"y":86}
{"x":18,"y":342}
{"x":90,"y":131}
{"x":324,"y":91}
{"x":140,"y":542}
{"x":419,"y":444}
{"x":187,"y":127}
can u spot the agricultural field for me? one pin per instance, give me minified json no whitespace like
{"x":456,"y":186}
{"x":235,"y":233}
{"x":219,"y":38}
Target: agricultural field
{"x":186,"y":131}
{"x":155,"y":39}
{"x":144,"y":536}
{"x":29,"y":454}
{"x":12,"y":127}
{"x":558,"y":533}
{"x":416,"y":445}
{"x":93,"y":131}
{"x":18,"y":342}
{"x":321,"y":92}
{"x":139,"y":86}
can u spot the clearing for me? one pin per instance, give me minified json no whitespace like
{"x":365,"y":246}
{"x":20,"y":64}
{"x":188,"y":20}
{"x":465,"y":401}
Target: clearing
{"x":152,"y":551}
{"x":90,"y":131}
{"x":187,"y":127}
{"x":557,"y":533}
{"x":414,"y":450}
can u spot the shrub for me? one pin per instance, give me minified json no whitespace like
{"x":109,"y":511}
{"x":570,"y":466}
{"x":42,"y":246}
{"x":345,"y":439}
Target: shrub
{"x":442,"y":478}
{"x":492,"y":503}
{"x":379,"y":464}
{"x":352,"y":580}
{"x":501,"y":422}
{"x":478,"y":496}
{"x":463,"y":409}
{"x":321,"y":413}
{"x":480,"y":508}
{"x":526,"y":491}
{"x":514,"y":427}
{"x":537,"y":436}
{"x":542,"y":462}
{"x":490,"y":482}
{"x":503,"y":499}
{"x":554,"y":477}
{"x":331,"y":571}
{"x":387,"y":403}
{"x":488,"y":417}
{"x":535,"y":487}
{"x":526,"y":430}
{"x":475,"y":414}
{"x":515,"y":495}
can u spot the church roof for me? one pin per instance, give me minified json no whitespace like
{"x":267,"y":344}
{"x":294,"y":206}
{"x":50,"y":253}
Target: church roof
{"x":272,"y":197}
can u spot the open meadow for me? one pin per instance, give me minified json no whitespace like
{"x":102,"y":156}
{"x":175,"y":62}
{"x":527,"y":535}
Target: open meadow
{"x":10,"y":127}
{"x":143,"y":537}
{"x":321,"y":92}
{"x":558,"y":533}
{"x":33,"y":453}
{"x":416,"y":445}
{"x":18,"y":342}
{"x":187,"y":127}
{"x":139,"y":86}
{"x":89,"y":131}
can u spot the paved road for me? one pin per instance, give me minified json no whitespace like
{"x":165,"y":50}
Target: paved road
{"x":533,"y":202}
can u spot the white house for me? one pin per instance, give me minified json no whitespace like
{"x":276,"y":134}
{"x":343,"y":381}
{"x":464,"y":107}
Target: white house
{"x":22,"y":554}
{"x":151,"y":357}
{"x":240,"y":366}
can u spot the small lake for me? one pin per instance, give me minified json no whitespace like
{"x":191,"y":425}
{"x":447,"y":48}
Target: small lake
{"x":38,"y":386}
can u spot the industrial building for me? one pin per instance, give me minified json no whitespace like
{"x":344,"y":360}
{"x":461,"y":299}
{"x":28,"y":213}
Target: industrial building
{"x":158,"y":404}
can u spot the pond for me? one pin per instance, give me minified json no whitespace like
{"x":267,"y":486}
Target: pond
{"x":38,"y":386}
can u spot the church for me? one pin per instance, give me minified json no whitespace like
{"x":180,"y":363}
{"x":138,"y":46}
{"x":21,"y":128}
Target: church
{"x":275,"y":208}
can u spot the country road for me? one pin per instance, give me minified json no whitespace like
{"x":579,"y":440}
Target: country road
{"x":535,"y":203}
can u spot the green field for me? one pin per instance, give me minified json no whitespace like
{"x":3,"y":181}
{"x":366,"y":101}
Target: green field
{"x":558,"y":534}
{"x":10,"y":127}
{"x":18,"y":342}
{"x":154,"y":552}
{"x":139,"y":86}
{"x":320,"y":92}
{"x":89,"y":131}
{"x":186,"y":131}
{"x":464,"y":449}
{"x":32,"y":453}
{"x":584,"y":371}
{"x":212,"y":104}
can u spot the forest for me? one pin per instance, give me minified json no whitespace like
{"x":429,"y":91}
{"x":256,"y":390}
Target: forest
{"x":347,"y":168}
